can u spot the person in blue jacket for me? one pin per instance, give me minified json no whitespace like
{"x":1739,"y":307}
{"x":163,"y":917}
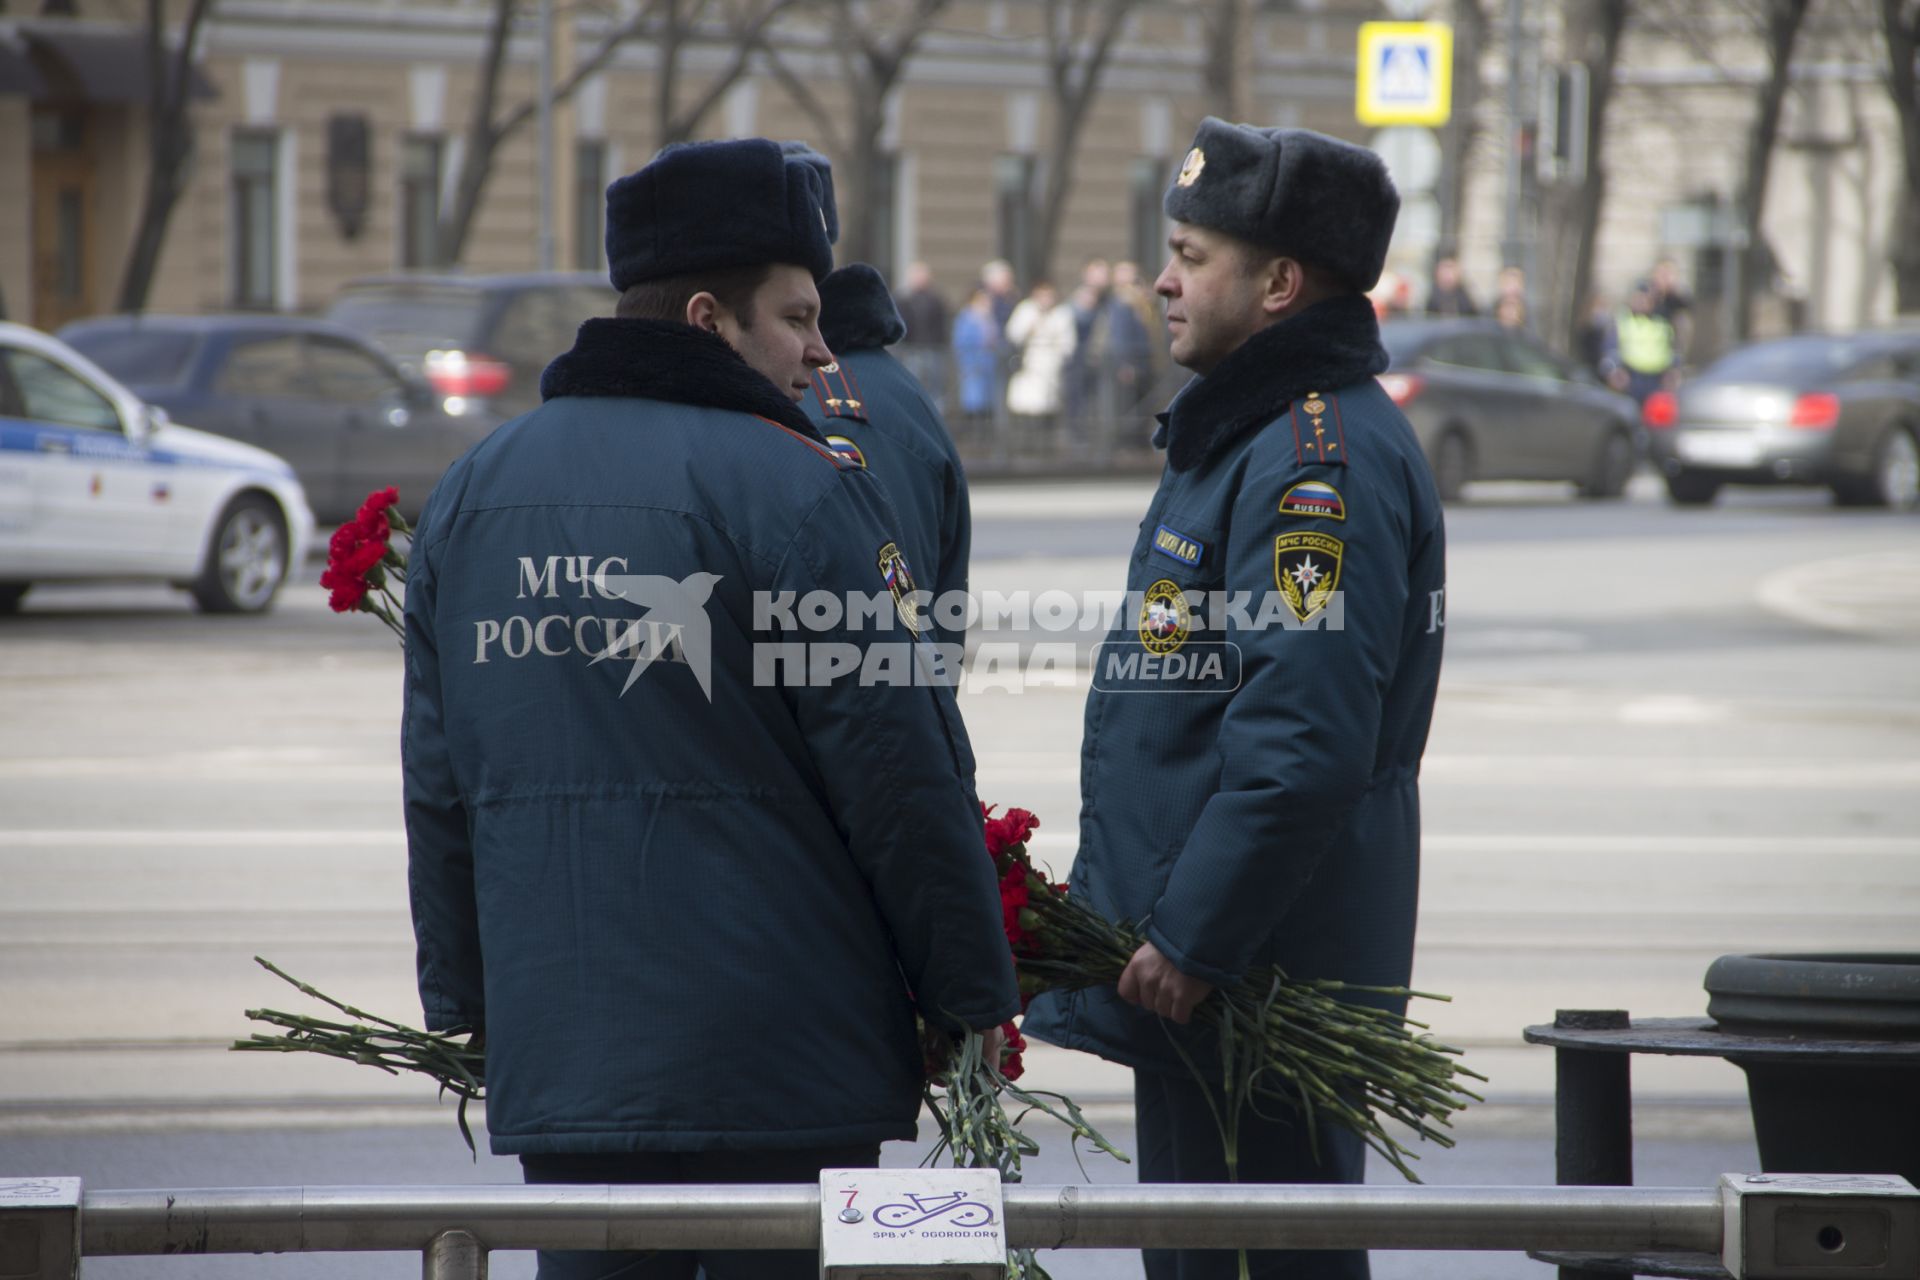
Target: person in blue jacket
{"x":1288,"y":589}
{"x":691,"y":889}
{"x":877,"y":413}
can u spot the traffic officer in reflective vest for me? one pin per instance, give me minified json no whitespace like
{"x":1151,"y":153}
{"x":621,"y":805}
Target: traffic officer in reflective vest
{"x":692,"y":896}
{"x":1289,"y":585}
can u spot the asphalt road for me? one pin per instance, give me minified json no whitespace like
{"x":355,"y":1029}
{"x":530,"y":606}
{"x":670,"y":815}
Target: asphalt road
{"x":1663,"y":736}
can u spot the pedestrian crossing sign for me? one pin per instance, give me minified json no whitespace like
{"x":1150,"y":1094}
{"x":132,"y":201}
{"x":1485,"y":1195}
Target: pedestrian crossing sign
{"x":1405,"y":73}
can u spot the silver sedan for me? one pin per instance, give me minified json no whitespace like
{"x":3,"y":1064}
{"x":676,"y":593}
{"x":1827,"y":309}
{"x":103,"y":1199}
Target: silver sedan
{"x":1817,"y":409}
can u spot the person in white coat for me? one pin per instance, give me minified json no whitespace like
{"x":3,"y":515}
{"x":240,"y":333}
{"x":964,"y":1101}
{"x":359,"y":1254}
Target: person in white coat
{"x":1042,"y":331}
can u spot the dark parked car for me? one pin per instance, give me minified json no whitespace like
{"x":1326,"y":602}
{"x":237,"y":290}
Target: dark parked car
{"x":1491,"y":404}
{"x":1840,"y":411}
{"x":481,"y":342}
{"x":319,"y":396}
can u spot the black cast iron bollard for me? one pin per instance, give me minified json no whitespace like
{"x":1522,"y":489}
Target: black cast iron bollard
{"x":1592,"y":1113}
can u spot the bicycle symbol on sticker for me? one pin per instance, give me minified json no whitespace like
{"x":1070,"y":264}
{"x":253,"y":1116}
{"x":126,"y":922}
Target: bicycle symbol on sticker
{"x":955,"y":1208}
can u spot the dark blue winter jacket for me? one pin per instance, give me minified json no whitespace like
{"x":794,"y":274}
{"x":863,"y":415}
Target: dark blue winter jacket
{"x":1250,"y":764}
{"x":873,"y":409}
{"x":686,"y":900}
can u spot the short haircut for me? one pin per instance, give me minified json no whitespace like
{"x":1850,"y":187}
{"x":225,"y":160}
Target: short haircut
{"x":1321,"y":282}
{"x":667,"y":298}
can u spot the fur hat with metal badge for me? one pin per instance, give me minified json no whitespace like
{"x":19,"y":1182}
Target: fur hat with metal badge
{"x":710,"y":206}
{"x":1325,"y":202}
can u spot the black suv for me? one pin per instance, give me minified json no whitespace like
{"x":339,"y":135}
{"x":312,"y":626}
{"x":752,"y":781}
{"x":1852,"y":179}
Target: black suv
{"x":479,"y":341}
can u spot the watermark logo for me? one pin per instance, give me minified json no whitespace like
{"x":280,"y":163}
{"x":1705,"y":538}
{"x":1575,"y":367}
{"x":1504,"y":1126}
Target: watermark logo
{"x":676,"y":622}
{"x":1167,"y":638}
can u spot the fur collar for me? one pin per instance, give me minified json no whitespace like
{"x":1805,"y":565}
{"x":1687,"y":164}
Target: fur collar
{"x":857,"y":312}
{"x":1331,"y":344}
{"x":660,"y":360}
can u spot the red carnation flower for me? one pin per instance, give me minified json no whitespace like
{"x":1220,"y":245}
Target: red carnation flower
{"x":1012,"y":1062}
{"x":1008,"y":831}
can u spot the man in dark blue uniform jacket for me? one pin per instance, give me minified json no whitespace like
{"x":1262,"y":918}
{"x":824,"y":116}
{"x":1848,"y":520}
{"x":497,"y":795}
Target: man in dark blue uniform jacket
{"x":877,"y":413}
{"x":1290,"y":583}
{"x":692,"y":893}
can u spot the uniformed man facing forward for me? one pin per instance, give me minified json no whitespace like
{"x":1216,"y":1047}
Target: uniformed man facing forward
{"x":1265,"y":809}
{"x":685,"y":902}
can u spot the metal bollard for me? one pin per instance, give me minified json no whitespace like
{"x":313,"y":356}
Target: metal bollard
{"x":39,"y":1228}
{"x":454,"y":1255}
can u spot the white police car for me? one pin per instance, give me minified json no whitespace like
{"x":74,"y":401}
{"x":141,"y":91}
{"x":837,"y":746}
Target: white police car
{"x":95,"y":485}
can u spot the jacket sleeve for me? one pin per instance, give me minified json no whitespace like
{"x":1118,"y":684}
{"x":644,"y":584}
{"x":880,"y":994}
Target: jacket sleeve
{"x":1299,"y":738}
{"x":956,"y":541}
{"x":440,"y":887}
{"x":895,"y":760}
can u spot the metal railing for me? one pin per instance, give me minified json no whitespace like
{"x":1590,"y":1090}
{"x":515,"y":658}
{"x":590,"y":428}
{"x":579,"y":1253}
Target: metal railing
{"x":1759,"y":1224}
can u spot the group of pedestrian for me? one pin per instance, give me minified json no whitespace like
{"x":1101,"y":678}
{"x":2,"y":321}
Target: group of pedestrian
{"x":1447,"y":295}
{"x":1636,"y":346}
{"x":1043,"y":357}
{"x":692,"y":900}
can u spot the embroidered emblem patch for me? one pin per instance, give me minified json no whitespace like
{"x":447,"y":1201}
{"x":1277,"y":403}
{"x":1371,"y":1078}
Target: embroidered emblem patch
{"x":1311,"y":498}
{"x":1190,"y":167}
{"x":1165,"y":618}
{"x":848,"y":450}
{"x":1306,"y":568}
{"x":899,"y":579}
{"x":1178,"y":546}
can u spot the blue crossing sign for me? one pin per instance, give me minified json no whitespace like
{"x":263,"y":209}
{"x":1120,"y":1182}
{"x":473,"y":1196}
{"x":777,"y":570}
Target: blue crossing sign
{"x":1405,"y":73}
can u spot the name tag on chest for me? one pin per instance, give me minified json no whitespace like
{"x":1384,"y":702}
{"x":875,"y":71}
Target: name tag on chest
{"x":1174,"y":545}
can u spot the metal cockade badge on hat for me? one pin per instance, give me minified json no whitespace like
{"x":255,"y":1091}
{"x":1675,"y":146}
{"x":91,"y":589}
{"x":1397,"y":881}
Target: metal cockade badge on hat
{"x":1190,"y":167}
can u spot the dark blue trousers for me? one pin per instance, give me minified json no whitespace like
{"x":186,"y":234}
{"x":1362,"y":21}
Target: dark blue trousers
{"x":1179,"y":1141}
{"x":652,"y":1168}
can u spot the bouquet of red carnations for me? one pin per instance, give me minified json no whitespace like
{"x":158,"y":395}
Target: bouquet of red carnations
{"x":363,"y":569}
{"x":1283,"y":1044}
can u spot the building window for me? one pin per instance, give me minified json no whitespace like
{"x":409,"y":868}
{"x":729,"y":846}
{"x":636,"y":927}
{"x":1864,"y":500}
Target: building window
{"x":1013,"y":185}
{"x":885,"y":203}
{"x":256,"y":217}
{"x":589,"y":204}
{"x":1149,"y":236}
{"x":420,"y":202}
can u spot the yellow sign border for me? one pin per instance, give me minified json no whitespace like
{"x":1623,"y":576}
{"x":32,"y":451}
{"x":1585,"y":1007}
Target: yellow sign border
{"x":1438,"y":36}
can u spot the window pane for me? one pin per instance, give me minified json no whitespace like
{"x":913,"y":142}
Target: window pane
{"x":884,"y":201}
{"x":70,"y":231}
{"x":419,"y":202}
{"x":1013,"y":182}
{"x":1149,"y":238}
{"x":263,"y":367}
{"x":50,"y":393}
{"x":1524,"y":358}
{"x":253,"y":155}
{"x":539,"y":324}
{"x":151,"y":358}
{"x":347,"y":376}
{"x":255,"y":219}
{"x":408,"y":320}
{"x":589,"y":204}
{"x":1465,"y":353}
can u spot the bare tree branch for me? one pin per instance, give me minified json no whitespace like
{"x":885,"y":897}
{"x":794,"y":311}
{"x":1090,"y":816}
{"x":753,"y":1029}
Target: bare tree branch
{"x":1080,"y":41}
{"x":169,"y":144}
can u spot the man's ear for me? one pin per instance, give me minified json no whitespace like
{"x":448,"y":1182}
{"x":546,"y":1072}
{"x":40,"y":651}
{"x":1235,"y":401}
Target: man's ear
{"x":1284,"y":286}
{"x":703,"y":312}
